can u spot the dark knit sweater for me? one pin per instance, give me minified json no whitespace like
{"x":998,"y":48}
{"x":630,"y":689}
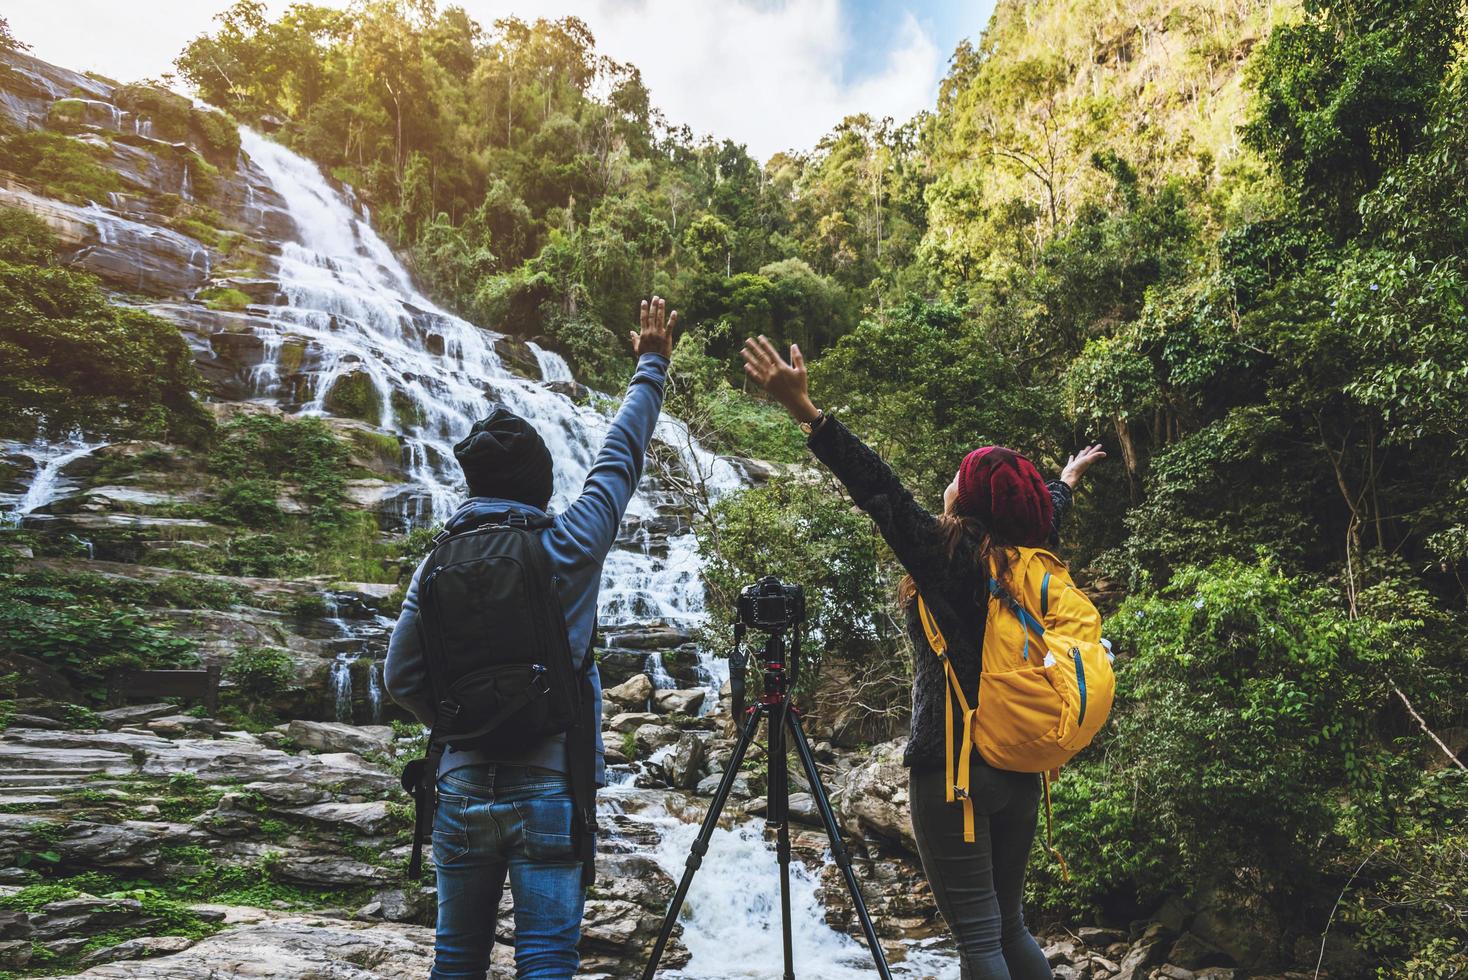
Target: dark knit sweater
{"x":954,"y":588}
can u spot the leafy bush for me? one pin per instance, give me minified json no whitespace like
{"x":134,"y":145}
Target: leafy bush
{"x":260,"y":674}
{"x":1250,"y":701}
{"x":69,"y":358}
{"x":257,"y":453}
{"x":85,"y":638}
{"x":60,"y":166}
{"x":807,"y":535}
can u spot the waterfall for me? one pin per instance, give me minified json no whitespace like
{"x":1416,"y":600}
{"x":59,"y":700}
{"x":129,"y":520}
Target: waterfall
{"x":374,"y":691}
{"x":47,"y":485}
{"x":731,"y":919}
{"x":341,"y":687}
{"x":355,"y":307}
{"x":553,"y":367}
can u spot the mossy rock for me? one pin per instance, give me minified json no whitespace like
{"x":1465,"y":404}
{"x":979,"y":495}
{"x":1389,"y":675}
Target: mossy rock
{"x":377,"y":451}
{"x":354,"y":396}
{"x":225,"y":298}
{"x":406,"y":412}
{"x":67,"y":115}
{"x":291,"y":356}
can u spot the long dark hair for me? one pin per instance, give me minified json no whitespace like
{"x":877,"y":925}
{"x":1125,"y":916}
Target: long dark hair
{"x":958,"y":530}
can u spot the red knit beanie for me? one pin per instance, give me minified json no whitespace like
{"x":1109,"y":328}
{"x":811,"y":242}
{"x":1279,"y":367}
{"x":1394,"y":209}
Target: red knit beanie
{"x":1005,"y":491}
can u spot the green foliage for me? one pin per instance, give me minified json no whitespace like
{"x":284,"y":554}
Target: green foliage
{"x":1246,"y":700}
{"x":223,"y":298}
{"x":261,"y":453}
{"x":58,"y":165}
{"x":84,"y":637}
{"x":260,"y":674}
{"x":701,"y":396}
{"x":926,"y":386}
{"x":810,"y":536}
{"x":1342,"y":96}
{"x":69,"y":358}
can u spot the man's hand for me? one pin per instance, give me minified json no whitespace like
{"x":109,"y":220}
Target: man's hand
{"x":1076,"y":466}
{"x":786,"y":383}
{"x":657,"y":329}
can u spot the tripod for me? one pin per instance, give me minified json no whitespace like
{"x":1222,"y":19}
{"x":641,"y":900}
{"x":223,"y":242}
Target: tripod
{"x":774,"y":706}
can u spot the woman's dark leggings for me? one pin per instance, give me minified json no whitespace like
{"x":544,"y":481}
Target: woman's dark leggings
{"x":980,"y":886}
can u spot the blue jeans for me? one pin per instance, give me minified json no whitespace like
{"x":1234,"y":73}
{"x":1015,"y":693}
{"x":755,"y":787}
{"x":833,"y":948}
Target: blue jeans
{"x":494,"y":821}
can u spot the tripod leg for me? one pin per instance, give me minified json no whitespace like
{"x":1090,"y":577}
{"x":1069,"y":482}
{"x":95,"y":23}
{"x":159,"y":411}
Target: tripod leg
{"x":701,"y":844}
{"x":778,"y":812}
{"x":838,"y":847}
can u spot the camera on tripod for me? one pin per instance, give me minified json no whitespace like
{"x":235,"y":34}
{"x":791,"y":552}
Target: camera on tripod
{"x":770,"y":605}
{"x":778,"y":611}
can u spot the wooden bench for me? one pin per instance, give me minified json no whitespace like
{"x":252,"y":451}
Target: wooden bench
{"x":198,"y":685}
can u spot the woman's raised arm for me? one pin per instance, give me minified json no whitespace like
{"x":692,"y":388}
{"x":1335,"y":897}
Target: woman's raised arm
{"x":913,"y":533}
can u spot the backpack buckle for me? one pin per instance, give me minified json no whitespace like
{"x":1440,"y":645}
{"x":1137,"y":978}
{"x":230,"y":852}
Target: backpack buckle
{"x":517,"y":520}
{"x":449,"y":710}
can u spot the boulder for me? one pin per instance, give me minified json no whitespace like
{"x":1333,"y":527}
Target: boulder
{"x":305,"y":947}
{"x":1138,"y":962}
{"x":15,"y":953}
{"x":1194,"y":953}
{"x":745,"y":785}
{"x":631,"y":720}
{"x":684,"y":762}
{"x":647,"y":638}
{"x":679,"y":702}
{"x":871,"y":798}
{"x":650,"y":738}
{"x":334,"y":736}
{"x":1099,"y":938}
{"x":14,"y":925}
{"x":631,"y":695}
{"x":138,"y":949}
{"x":84,"y":916}
{"x":135,"y":714}
{"x":802,"y":808}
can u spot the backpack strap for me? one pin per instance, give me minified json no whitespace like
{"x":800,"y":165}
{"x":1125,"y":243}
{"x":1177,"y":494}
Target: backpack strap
{"x":1030,"y":623}
{"x":581,"y":763}
{"x":958,"y":784}
{"x":1050,"y":777}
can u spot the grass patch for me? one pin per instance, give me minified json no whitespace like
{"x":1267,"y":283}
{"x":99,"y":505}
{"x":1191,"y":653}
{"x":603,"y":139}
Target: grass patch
{"x":225,"y":298}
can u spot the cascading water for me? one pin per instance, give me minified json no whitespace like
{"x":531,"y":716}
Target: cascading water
{"x":553,"y":367}
{"x":354,"y":307}
{"x":47,"y":484}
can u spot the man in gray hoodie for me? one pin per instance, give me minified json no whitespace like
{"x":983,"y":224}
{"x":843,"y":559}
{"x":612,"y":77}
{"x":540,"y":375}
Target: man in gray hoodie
{"x":512,"y":816}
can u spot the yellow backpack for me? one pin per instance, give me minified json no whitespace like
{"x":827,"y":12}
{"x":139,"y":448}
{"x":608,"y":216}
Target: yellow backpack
{"x":1046,"y":686}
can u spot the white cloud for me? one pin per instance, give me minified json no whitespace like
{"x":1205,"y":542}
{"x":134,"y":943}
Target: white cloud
{"x":765,"y":74}
{"x":768,"y":74}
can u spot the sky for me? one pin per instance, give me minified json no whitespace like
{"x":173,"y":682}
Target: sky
{"x":772,"y":74}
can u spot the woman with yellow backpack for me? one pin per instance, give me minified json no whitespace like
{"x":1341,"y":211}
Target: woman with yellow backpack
{"x":1011,"y":676}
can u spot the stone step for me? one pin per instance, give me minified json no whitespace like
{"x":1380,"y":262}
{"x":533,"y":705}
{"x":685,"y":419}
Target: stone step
{"x":36,"y":777}
{"x":30,"y":799}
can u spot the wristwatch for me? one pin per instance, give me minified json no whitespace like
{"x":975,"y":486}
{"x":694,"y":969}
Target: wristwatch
{"x":810,"y":427}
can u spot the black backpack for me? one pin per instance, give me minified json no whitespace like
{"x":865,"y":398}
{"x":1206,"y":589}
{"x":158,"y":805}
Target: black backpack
{"x":499,"y":663}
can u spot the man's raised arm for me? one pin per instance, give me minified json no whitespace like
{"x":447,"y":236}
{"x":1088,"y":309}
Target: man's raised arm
{"x":593,"y":518}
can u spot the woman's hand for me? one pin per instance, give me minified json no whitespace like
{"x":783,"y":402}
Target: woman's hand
{"x":657,"y":329}
{"x":1076,"y":466}
{"x":786,"y":383}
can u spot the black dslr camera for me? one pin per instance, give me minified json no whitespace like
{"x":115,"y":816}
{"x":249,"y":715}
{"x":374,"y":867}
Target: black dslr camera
{"x":770,"y":605}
